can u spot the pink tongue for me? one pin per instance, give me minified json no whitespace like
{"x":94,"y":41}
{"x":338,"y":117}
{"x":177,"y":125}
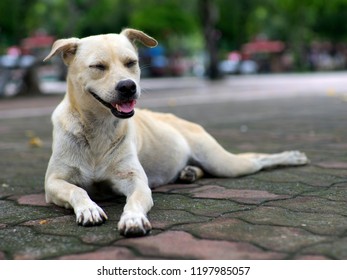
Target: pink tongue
{"x":126,"y":107}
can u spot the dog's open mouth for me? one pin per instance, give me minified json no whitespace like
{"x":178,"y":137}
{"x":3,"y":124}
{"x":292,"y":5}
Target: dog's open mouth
{"x":125,"y":107}
{"x":122,"y":109}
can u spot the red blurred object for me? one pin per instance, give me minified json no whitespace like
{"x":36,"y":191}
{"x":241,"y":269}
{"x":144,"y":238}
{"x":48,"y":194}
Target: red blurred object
{"x":37,"y":41}
{"x":263,"y":46}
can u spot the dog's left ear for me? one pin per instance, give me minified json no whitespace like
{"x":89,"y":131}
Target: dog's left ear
{"x":137,"y":35}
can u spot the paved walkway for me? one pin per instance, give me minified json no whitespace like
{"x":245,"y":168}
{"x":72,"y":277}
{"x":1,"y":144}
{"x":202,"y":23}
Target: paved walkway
{"x":286,"y":213}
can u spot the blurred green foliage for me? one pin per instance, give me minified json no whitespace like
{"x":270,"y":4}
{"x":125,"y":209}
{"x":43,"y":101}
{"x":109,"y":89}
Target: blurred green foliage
{"x":178,"y":21}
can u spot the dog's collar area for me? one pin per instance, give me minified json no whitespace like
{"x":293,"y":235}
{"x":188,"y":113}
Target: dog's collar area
{"x":114,"y":110}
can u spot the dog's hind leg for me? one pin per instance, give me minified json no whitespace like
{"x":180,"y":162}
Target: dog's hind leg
{"x":218,"y":162}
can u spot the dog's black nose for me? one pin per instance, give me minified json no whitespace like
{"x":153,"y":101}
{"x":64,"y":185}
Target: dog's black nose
{"x":126,"y":88}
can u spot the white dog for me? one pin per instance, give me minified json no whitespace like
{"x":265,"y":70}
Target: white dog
{"x":100,"y":142}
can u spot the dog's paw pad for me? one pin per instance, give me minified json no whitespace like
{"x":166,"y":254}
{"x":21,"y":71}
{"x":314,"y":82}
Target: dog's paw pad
{"x":134,"y":224}
{"x":90,"y":215}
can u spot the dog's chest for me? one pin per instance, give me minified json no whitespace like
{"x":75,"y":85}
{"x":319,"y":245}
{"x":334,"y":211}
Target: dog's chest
{"x":96,"y":154}
{"x":101,"y":156}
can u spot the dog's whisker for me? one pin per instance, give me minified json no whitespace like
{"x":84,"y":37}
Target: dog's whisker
{"x":145,"y":66}
{"x":145,"y":90}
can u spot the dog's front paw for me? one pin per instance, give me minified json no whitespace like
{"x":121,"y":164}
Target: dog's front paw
{"x":134,"y":224}
{"x":90,"y":215}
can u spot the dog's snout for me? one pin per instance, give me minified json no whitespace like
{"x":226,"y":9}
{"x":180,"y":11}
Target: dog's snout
{"x":126,"y":88}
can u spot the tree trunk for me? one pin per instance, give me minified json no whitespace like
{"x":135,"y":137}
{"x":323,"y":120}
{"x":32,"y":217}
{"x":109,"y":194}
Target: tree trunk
{"x":209,"y":17}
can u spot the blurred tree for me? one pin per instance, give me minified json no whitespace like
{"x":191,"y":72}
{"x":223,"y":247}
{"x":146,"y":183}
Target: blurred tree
{"x":13,"y":13}
{"x":103,"y":16}
{"x":164,"y":18}
{"x":79,"y":17}
{"x":177,"y":22}
{"x":209,"y":15}
{"x":330,"y":22}
{"x":233,"y":23}
{"x":174,"y":23}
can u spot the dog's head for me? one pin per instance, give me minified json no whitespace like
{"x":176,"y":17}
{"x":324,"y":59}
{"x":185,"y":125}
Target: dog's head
{"x":105,"y":67}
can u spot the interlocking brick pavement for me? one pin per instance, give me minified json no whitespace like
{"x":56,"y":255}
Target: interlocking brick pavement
{"x":285,"y":213}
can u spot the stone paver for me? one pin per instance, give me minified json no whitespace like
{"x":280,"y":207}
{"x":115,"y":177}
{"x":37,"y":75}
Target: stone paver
{"x":286,"y":213}
{"x":179,"y":244}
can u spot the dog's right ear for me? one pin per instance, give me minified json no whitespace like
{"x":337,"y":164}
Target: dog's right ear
{"x":67,"y":48}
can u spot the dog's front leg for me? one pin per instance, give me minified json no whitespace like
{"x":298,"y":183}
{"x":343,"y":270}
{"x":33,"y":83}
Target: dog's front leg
{"x":62,"y":193}
{"x":134,"y":221}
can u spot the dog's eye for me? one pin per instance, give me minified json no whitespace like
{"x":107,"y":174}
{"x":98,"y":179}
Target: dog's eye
{"x":130,"y":63}
{"x":98,"y":66}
